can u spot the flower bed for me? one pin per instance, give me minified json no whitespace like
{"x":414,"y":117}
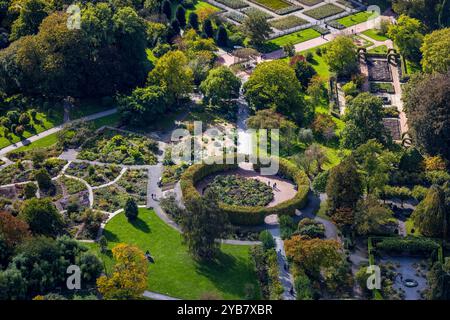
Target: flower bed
{"x":348,"y":4}
{"x":310,"y":3}
{"x":95,"y":175}
{"x":134,"y":182}
{"x":335,"y":24}
{"x":320,"y":30}
{"x":72,"y":186}
{"x":278,"y":6}
{"x":322,"y":12}
{"x":239,"y":18}
{"x":112,"y":146}
{"x":253,"y":10}
{"x":239,"y":191}
{"x":233,"y":4}
{"x":15,"y":173}
{"x":249,"y":215}
{"x":287,"y":22}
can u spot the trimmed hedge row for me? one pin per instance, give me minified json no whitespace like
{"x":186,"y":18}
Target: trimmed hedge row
{"x":249,"y":215}
{"x":410,"y":245}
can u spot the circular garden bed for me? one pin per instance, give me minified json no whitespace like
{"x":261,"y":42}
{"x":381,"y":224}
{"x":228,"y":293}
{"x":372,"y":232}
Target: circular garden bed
{"x":249,"y":215}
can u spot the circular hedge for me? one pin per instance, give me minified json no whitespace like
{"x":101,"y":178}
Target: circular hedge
{"x":242,"y":215}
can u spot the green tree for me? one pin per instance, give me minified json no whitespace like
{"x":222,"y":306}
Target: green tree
{"x":274,"y":85}
{"x":267,"y":240}
{"x":372,"y":217}
{"x":304,"y":72}
{"x":220,"y":87}
{"x":193,"y":20}
{"x":341,"y":56}
{"x":344,"y":186}
{"x":167,"y":9}
{"x":289,"y":49}
{"x":142,"y":105}
{"x":203,"y":223}
{"x":256,"y":28}
{"x":31,"y":14}
{"x":43,"y":179}
{"x":426,"y":105}
{"x":180,"y":15}
{"x":364,"y":121}
{"x":42,"y":217}
{"x":173,"y":73}
{"x":30,"y":190}
{"x":222,"y":37}
{"x":431,"y":216}
{"x":436,"y":51}
{"x":407,"y":34}
{"x":131,"y":209}
{"x":12,"y":285}
{"x":208,"y":28}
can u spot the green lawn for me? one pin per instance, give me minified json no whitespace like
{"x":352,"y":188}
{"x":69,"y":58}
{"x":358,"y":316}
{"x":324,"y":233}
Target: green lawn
{"x":296,"y":37}
{"x":44,"y":122}
{"x":380,"y":49}
{"x":174,"y":272}
{"x":88,"y":107}
{"x":373,"y":33}
{"x":356,"y":18}
{"x":318,"y":62}
{"x":198,"y":5}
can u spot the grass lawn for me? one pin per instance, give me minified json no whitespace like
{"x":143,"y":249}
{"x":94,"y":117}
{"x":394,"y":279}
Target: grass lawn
{"x":174,"y":272}
{"x":318,"y":62}
{"x":44,"y":122}
{"x":409,"y":226}
{"x":373,"y":33}
{"x":198,"y":5}
{"x":296,"y":37}
{"x":380,"y":49}
{"x":356,"y":18}
{"x":111,"y":120}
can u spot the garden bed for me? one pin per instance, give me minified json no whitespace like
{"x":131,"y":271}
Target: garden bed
{"x":134,"y":182}
{"x":112,"y":146}
{"x":382,"y":87}
{"x":253,"y":10}
{"x":233,"y":4}
{"x":95,"y":175}
{"x":280,"y":7}
{"x":322,"y":12}
{"x":287,"y":22}
{"x":237,"y":17}
{"x":16,"y":172}
{"x":310,"y":3}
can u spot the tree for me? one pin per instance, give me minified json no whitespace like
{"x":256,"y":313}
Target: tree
{"x":426,"y":105}
{"x":43,"y":179}
{"x":431,"y":215}
{"x":129,"y":277}
{"x":180,"y":15}
{"x":364,"y":121}
{"x":12,"y":285}
{"x":208,"y":28}
{"x":315,"y":153}
{"x":430,"y":12}
{"x":316,"y":90}
{"x":91,"y":267}
{"x":31,"y":14}
{"x":142,"y":105}
{"x":341,"y":56}
{"x":256,"y":27}
{"x":131,"y":209}
{"x":220,"y":87}
{"x":274,"y":85}
{"x":13,"y":230}
{"x":313,"y":255}
{"x":267,"y":240}
{"x":438,"y":279}
{"x":371,"y":217}
{"x":167,"y":9}
{"x":30,"y":190}
{"x":175,"y":28}
{"x":303,"y":71}
{"x":407,"y":34}
{"x":436,"y":51}
{"x":289,"y":49}
{"x":42,"y":217}
{"x":375,"y":164}
{"x":193,"y":20}
{"x":173,"y":73}
{"x":344,"y":185}
{"x":202,"y":224}
{"x":222,"y":37}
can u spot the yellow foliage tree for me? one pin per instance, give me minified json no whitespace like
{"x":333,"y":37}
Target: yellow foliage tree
{"x":129,"y":277}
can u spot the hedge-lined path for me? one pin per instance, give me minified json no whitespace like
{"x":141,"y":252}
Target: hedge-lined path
{"x":286,"y":278}
{"x":55,"y":129}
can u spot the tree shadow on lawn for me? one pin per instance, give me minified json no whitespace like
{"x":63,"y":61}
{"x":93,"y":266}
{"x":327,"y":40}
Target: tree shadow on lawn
{"x":228,"y":273}
{"x":140,"y":224}
{"x":111,"y":237}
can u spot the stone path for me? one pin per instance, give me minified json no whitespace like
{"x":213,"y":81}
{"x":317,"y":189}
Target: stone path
{"x":158,"y":296}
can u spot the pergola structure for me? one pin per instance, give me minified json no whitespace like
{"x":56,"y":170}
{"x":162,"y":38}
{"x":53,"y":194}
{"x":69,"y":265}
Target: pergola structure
{"x":245,"y":55}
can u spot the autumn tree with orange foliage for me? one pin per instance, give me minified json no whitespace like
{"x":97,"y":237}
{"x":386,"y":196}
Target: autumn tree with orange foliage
{"x":13,"y":230}
{"x":129,"y":277}
{"x":313,"y":255}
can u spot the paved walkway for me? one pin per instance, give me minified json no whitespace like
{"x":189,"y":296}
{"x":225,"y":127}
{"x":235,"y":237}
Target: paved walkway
{"x":158,"y":296}
{"x":55,"y":129}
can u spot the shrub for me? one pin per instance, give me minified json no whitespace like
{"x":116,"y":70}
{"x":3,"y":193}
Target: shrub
{"x":30,"y":190}
{"x":131,"y":209}
{"x":320,"y":182}
{"x":411,"y":245}
{"x":43,"y":179}
{"x":309,"y":227}
{"x":267,"y":240}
